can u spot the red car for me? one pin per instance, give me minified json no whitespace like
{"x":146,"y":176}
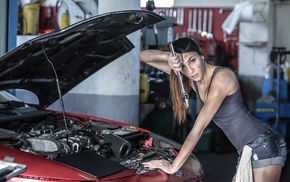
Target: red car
{"x":37,"y":144}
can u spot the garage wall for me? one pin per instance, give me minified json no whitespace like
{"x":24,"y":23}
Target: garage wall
{"x":207,"y":3}
{"x":281,"y":24}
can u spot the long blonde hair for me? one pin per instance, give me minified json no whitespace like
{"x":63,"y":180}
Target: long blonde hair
{"x":182,"y":45}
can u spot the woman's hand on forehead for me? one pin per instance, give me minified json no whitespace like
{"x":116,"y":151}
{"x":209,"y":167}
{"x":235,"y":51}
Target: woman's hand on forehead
{"x":175,"y":62}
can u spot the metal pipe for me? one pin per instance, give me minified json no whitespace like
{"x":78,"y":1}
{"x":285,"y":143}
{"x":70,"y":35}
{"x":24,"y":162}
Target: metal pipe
{"x":184,"y":95}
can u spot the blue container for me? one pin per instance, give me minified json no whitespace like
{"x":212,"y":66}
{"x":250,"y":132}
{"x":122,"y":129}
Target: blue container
{"x":270,"y":85}
{"x":266,"y":112}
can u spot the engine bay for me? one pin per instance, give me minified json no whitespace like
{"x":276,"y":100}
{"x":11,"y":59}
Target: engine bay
{"x":54,"y":137}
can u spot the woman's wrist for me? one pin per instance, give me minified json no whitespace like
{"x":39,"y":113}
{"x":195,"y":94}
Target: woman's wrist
{"x":172,"y":169}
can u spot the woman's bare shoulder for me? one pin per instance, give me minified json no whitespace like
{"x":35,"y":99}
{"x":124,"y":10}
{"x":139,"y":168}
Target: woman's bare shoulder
{"x":226,"y":79}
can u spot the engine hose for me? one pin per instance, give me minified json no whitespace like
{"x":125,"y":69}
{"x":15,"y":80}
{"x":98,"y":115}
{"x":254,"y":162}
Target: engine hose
{"x":95,"y":137}
{"x":15,"y":145}
{"x":25,"y":143}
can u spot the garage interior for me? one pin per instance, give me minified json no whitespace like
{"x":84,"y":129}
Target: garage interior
{"x":251,"y":37}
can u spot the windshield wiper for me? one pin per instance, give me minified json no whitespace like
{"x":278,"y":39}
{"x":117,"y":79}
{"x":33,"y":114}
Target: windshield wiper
{"x":11,"y":103}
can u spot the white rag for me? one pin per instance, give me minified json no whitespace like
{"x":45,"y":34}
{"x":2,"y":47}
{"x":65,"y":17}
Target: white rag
{"x":245,"y":171}
{"x":236,"y":15}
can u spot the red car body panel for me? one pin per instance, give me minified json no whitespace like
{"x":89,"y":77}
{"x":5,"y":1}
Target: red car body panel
{"x":48,"y":170}
{"x":44,"y":168}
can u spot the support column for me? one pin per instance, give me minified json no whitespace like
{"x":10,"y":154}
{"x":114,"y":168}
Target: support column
{"x":8,"y":25}
{"x":3,"y":27}
{"x":12,"y":24}
{"x":113,"y":92}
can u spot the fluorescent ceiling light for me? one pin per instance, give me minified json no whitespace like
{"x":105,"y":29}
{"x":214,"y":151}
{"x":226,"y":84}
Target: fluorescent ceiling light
{"x":159,"y":3}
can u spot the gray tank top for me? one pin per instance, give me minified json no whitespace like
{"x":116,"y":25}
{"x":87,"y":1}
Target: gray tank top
{"x":238,"y":124}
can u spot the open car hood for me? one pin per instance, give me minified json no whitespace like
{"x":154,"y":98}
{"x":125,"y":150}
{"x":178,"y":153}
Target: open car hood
{"x":76,"y":53}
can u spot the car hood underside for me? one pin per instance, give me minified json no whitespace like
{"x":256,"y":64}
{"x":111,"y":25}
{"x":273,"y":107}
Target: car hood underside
{"x":72,"y":54}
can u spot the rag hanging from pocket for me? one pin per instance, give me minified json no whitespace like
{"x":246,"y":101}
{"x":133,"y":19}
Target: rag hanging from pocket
{"x":245,"y":171}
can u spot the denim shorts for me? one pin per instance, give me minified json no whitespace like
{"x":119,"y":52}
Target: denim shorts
{"x":268,"y":149}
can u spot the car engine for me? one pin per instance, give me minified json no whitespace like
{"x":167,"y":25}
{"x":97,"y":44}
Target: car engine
{"x":54,"y":138}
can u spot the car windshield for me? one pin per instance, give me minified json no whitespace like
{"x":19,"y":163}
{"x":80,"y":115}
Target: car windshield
{"x":7,"y":96}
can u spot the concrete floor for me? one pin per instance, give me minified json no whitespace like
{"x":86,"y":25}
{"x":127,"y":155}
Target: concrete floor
{"x":220,"y":167}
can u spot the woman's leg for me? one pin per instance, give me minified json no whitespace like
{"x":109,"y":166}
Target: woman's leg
{"x":267,"y":174}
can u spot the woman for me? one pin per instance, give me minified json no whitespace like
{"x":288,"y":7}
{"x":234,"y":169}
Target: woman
{"x":218,"y":92}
